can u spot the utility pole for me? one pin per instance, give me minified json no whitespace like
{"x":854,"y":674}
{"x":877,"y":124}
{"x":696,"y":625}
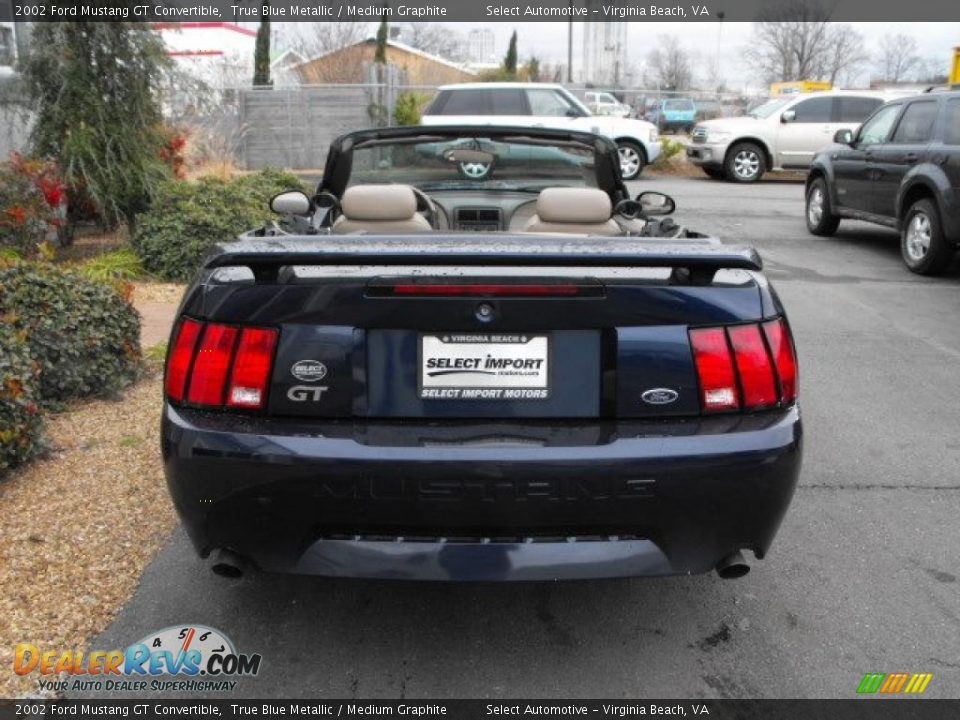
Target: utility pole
{"x":570,"y":45}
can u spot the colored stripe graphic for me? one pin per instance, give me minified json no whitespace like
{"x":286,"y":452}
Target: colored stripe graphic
{"x":871,"y":682}
{"x":894,"y":683}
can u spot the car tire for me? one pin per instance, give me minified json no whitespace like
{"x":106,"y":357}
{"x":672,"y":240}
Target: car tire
{"x":820,"y":218}
{"x":923,"y":245}
{"x":715,"y":173}
{"x":745,"y":163}
{"x":632,"y":159}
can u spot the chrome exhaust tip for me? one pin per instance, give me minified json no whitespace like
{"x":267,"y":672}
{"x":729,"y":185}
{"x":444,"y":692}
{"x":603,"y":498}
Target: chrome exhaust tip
{"x":733,"y":566}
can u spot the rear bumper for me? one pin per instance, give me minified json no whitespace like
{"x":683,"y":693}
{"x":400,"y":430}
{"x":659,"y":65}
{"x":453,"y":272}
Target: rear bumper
{"x":481,"y":500}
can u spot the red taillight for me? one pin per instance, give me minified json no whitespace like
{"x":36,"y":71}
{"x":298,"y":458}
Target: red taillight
{"x":754,"y":366}
{"x":216,"y":365}
{"x":718,"y":382}
{"x":784,"y":358}
{"x":745,"y":372}
{"x":181,"y":355}
{"x":209,"y":377}
{"x":251,"y":368}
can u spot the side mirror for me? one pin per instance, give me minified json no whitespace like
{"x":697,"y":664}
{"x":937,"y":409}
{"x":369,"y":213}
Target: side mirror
{"x":656,"y":203}
{"x":293,"y":202}
{"x":572,"y":113}
{"x":844,"y":137}
{"x":788,"y":116}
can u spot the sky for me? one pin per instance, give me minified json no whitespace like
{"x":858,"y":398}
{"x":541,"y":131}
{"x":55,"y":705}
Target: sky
{"x":548,"y":41}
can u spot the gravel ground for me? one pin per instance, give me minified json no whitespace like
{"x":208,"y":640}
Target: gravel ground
{"x":79,"y":526}
{"x":158,"y":292}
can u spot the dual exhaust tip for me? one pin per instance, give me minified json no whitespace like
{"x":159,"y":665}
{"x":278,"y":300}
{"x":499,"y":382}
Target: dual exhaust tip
{"x":229,"y":564}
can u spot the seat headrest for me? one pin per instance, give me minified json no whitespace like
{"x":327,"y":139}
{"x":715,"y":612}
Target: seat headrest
{"x":574,"y":205}
{"x":379,"y":202}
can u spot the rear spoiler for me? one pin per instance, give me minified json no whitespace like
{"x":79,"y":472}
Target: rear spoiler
{"x":265,"y":257}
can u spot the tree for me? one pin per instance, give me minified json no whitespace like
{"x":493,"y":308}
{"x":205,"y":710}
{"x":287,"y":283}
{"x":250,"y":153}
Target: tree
{"x":510,"y":59}
{"x":790,"y":41}
{"x":898,"y":57}
{"x":313,"y":40}
{"x":436,"y":40}
{"x":383,"y":34}
{"x":795,"y":40}
{"x":532,"y":70}
{"x":261,"y":53}
{"x":669,"y":64}
{"x":845,"y":54}
{"x":95,"y":91}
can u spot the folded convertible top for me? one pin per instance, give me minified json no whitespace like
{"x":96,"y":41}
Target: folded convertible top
{"x":265,"y":254}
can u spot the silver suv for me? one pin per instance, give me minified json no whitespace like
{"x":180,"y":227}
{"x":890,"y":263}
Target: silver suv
{"x":782,"y":134}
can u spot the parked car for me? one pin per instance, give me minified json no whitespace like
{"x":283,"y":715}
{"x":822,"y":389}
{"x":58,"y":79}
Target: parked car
{"x":781,"y":134}
{"x":709,"y":109}
{"x":542,"y":105}
{"x":673,"y":114}
{"x":355,"y":390}
{"x":900,"y":169}
{"x":603,"y":103}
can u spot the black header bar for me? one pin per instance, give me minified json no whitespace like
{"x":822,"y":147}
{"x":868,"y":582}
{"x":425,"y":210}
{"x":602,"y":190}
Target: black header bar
{"x":508,"y":11}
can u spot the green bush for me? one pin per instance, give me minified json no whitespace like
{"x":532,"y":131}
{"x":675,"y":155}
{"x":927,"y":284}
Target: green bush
{"x":123,"y":264}
{"x":21,"y":425}
{"x":24,"y":213}
{"x":406,"y":111}
{"x":668,"y":149}
{"x":186,"y":218}
{"x":83,"y":334}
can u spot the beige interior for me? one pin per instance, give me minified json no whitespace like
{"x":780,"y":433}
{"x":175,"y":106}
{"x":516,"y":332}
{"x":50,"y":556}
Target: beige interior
{"x":379,"y":208}
{"x":578,"y":211}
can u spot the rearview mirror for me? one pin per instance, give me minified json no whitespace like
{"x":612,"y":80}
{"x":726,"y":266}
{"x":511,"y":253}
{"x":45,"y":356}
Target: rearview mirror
{"x":293,"y":202}
{"x":844,"y":137}
{"x":656,"y":203}
{"x":788,"y":116}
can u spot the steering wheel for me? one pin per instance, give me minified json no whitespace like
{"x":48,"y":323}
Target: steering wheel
{"x":427,"y":207}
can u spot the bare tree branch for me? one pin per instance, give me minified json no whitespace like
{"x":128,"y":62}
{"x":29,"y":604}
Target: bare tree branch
{"x":897,"y":57}
{"x":669,"y":64}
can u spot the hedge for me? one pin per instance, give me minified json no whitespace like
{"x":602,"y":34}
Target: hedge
{"x":21,"y":425}
{"x":186,"y":218}
{"x":84,"y":335}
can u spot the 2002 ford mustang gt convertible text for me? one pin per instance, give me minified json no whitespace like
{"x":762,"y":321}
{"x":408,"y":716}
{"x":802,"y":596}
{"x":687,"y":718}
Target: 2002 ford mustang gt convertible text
{"x":575,"y":389}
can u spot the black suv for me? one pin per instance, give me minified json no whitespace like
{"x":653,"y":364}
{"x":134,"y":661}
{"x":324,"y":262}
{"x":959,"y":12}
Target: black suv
{"x":900,"y":169}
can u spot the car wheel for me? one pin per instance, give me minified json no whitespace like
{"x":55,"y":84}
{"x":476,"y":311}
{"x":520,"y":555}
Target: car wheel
{"x":475,"y":170}
{"x":820,"y":217}
{"x":715,"y":173}
{"x":631,"y":159}
{"x":924,"y":248}
{"x":745,"y":163}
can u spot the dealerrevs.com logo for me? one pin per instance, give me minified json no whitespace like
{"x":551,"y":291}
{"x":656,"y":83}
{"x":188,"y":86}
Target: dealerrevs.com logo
{"x":178,"y":658}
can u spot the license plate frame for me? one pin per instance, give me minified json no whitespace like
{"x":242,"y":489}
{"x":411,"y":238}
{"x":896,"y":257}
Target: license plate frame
{"x":478,"y":380}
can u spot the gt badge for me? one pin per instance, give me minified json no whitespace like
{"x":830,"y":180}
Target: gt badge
{"x":306,"y":393}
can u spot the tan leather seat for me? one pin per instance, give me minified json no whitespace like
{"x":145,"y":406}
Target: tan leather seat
{"x":578,"y":211}
{"x":379,"y":208}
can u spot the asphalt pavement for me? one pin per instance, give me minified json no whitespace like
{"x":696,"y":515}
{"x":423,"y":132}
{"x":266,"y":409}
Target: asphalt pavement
{"x":863,"y":576}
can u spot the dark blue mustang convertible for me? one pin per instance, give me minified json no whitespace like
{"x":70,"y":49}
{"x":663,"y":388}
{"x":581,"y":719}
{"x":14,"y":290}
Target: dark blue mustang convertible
{"x":470,"y":355}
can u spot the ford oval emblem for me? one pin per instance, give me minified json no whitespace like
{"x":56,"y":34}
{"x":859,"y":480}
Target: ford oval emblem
{"x":309,"y":370}
{"x":659,"y":396}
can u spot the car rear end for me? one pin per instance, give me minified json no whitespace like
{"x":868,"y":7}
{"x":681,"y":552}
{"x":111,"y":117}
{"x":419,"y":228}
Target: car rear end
{"x":445,"y":409}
